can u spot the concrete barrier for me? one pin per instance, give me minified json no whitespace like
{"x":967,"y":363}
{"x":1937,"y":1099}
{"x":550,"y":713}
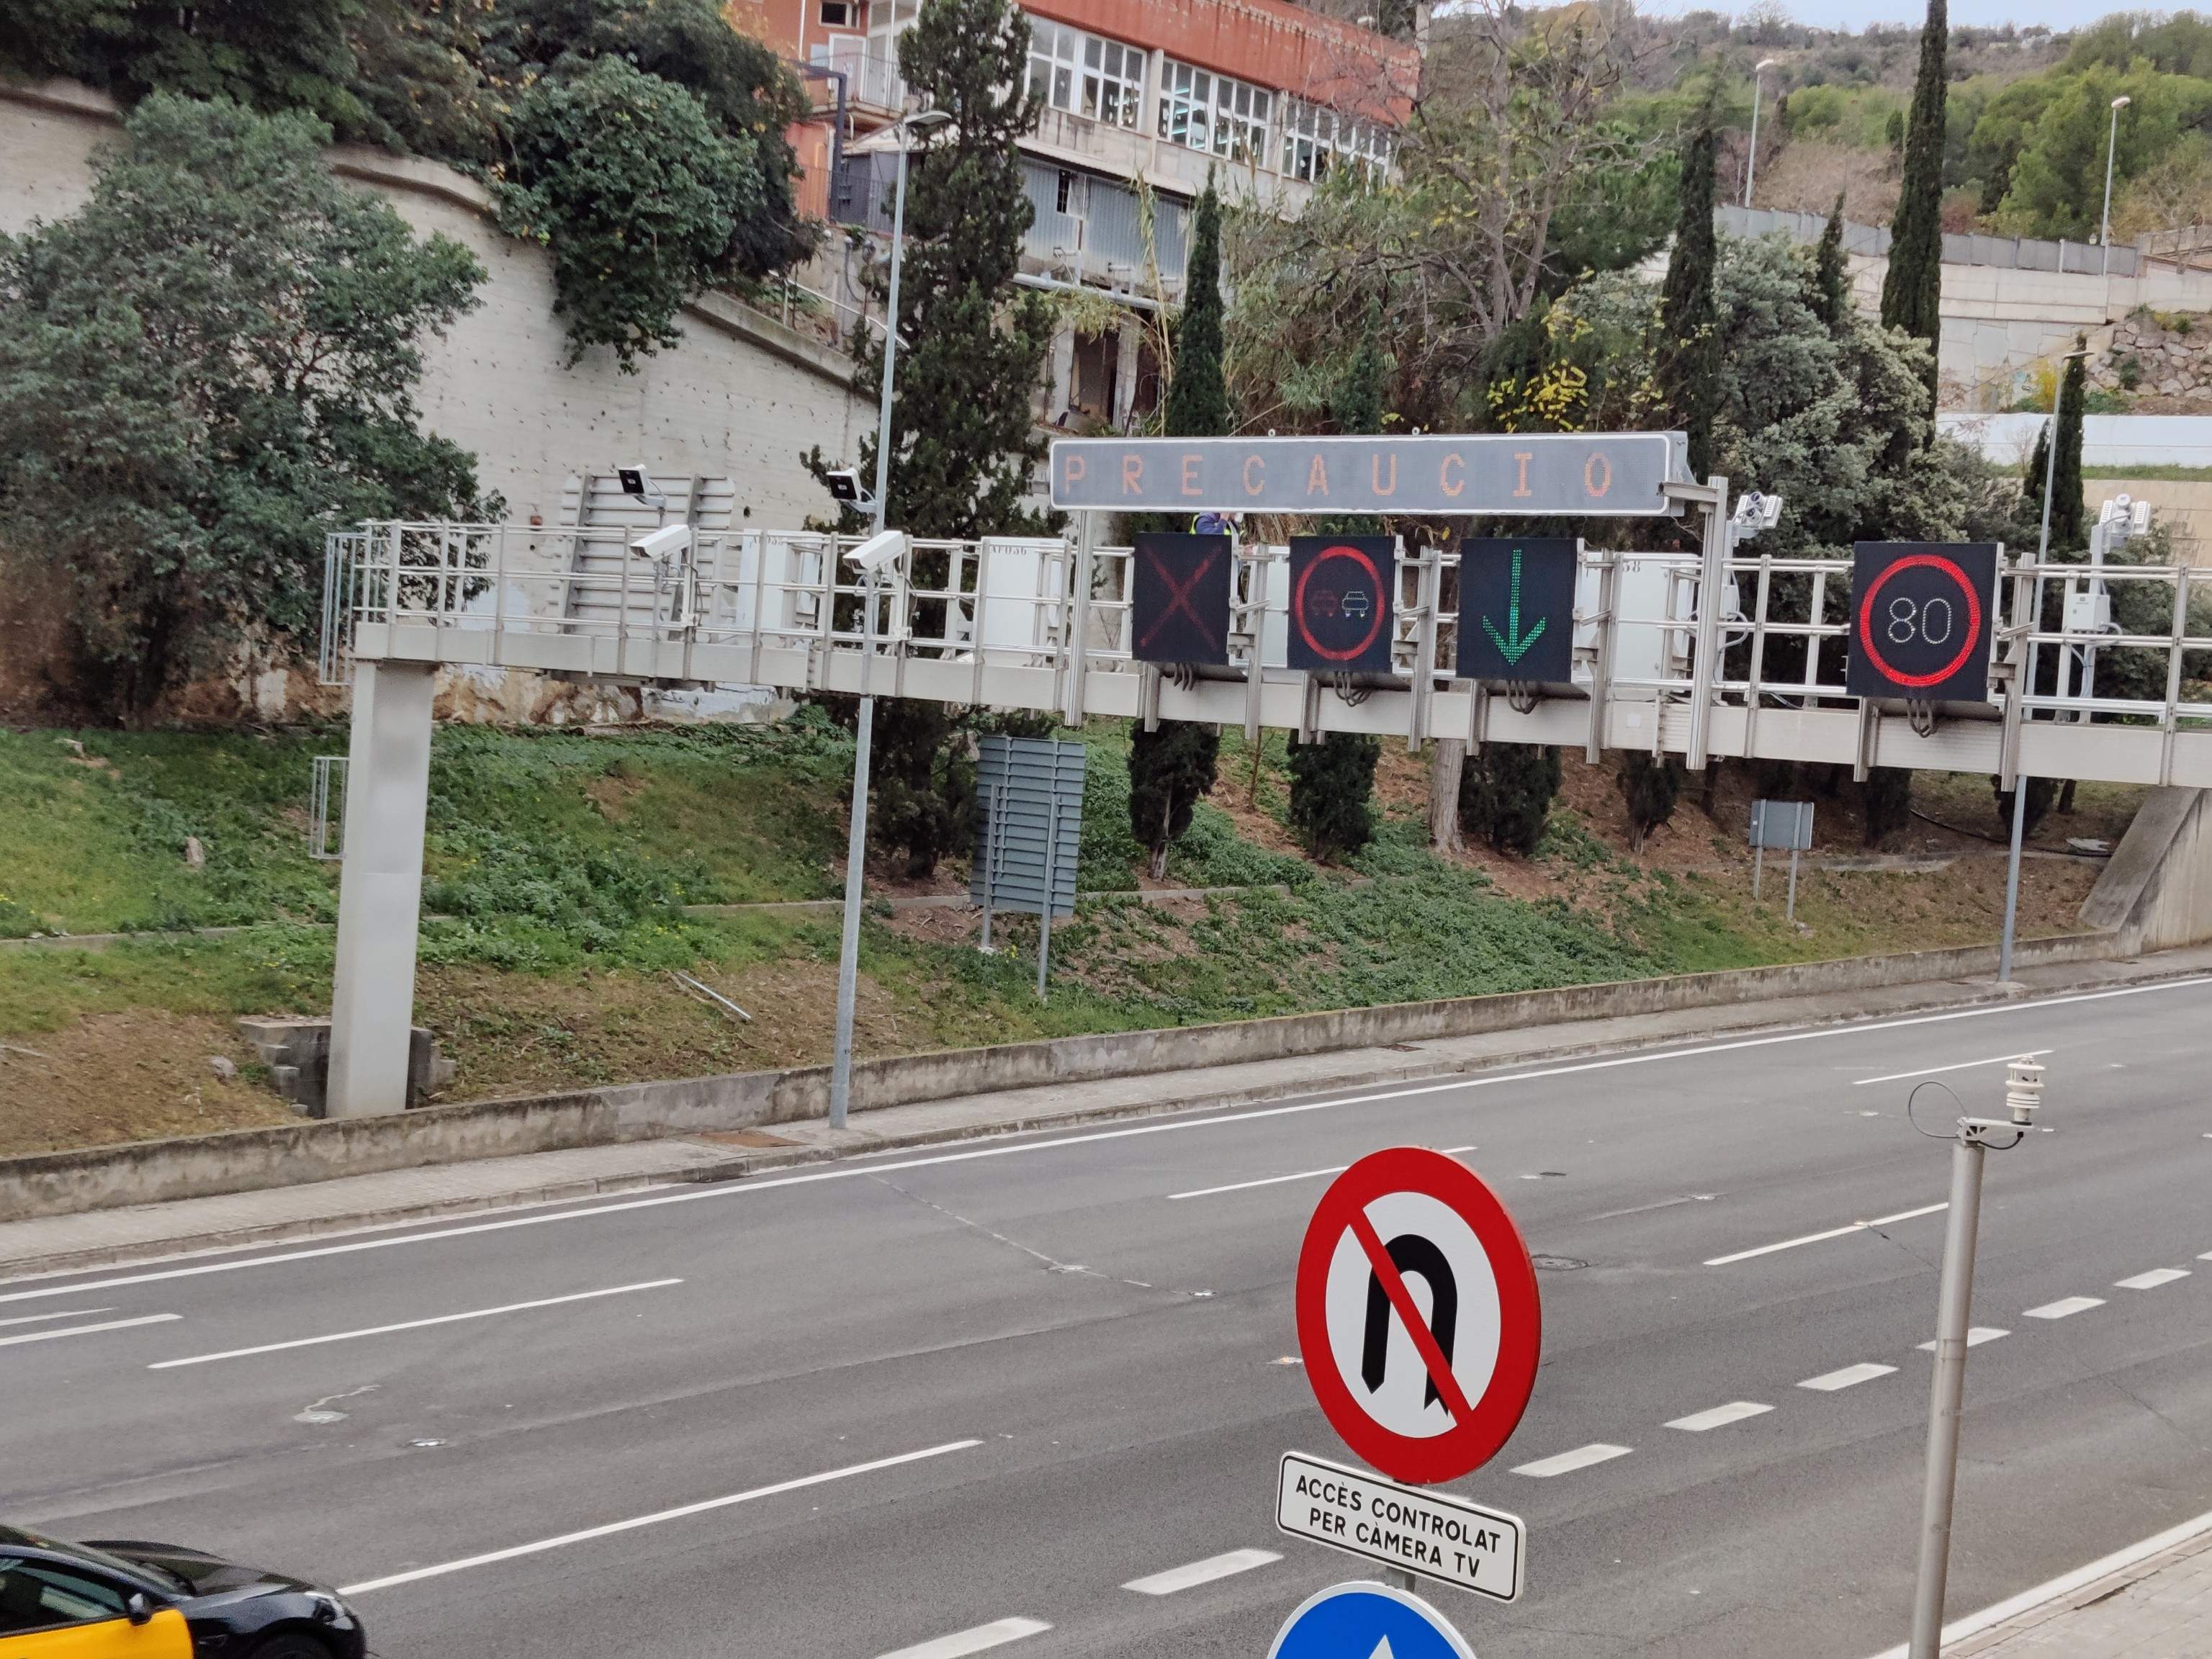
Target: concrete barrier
{"x":2155,"y":892}
{"x":244,"y":1160}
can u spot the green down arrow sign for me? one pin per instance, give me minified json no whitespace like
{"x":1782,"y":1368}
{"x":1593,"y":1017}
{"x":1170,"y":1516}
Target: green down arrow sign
{"x":1513,"y":644}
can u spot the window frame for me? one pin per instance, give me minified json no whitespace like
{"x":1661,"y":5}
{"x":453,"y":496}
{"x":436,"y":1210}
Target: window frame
{"x":14,"y":1560}
{"x":1085,"y":75}
{"x":1229,"y":117}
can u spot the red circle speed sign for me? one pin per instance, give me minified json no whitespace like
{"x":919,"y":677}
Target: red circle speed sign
{"x":1972,"y":634}
{"x":1425,"y":1393}
{"x":1376,"y":613}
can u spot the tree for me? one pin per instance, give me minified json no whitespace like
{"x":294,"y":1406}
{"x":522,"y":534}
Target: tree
{"x":1506,"y":794}
{"x":1912,"y":291}
{"x":1689,"y":357}
{"x":1832,"y":273}
{"x":2041,"y":793}
{"x":201,"y":372}
{"x":1886,"y":802}
{"x":1651,"y":786}
{"x":636,"y":193}
{"x":1170,"y":767}
{"x":1332,"y":782}
{"x":2068,"y":524}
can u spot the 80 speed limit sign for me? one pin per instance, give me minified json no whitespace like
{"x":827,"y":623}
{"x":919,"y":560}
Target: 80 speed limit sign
{"x":1923,"y":616}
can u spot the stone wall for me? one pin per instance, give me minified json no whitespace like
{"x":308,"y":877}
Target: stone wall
{"x":2161,"y":360}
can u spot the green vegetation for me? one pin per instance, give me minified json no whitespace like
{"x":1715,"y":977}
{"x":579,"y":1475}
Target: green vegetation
{"x":1912,"y":288}
{"x":201,"y":370}
{"x":524,"y":95}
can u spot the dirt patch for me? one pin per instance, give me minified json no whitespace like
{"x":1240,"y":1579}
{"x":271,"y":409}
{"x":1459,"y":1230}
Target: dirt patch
{"x":1233,"y":793}
{"x":139,"y":1075}
{"x":612,"y":795}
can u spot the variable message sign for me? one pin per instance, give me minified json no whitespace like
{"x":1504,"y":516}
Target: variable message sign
{"x":1179,"y":599}
{"x":1340,"y":594}
{"x":1923,"y":618}
{"x":1517,"y":608}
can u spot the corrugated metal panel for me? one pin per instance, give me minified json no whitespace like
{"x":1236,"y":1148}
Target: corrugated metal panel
{"x":596,"y":501}
{"x":1035,"y":786}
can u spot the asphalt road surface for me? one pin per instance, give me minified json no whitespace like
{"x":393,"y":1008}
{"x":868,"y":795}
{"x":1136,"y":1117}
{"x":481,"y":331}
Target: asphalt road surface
{"x":1029,"y":1393}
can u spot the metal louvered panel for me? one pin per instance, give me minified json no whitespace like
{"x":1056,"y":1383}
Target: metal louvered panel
{"x":1029,"y":799}
{"x":618,"y":588}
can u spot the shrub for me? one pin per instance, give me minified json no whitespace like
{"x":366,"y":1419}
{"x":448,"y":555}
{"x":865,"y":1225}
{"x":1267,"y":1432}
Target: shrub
{"x":1332,"y":783}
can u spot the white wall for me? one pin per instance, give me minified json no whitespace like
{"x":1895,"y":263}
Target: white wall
{"x":2106,"y":440}
{"x":740,"y":399}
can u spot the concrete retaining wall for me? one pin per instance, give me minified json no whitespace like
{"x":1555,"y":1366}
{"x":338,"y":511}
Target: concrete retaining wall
{"x":2156,"y":890}
{"x":242,"y":1160}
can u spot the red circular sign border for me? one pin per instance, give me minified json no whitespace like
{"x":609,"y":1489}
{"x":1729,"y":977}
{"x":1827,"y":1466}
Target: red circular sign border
{"x":1467,"y":1446}
{"x":1338,"y":550}
{"x":1950,"y":566}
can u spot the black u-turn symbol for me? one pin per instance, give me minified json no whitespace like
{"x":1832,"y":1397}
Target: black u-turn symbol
{"x":1410,"y":1253}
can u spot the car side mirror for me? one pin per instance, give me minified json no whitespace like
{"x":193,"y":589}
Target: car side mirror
{"x":138,"y":1608}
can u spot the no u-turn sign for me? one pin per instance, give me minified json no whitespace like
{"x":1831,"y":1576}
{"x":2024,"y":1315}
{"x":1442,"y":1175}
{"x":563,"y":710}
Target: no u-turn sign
{"x":1418,"y":1315}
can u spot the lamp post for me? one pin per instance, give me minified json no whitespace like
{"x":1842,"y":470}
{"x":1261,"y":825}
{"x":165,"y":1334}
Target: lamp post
{"x":856,"y":843}
{"x":1751,"y":163}
{"x":2111,"y":143}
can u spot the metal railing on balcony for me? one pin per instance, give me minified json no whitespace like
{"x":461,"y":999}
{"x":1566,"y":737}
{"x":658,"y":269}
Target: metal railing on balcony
{"x":871,"y":77}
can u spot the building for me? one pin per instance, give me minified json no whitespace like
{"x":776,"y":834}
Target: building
{"x":1143,"y":98}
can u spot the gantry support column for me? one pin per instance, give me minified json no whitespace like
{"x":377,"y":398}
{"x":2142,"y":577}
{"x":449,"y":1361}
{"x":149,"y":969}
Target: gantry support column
{"x":380,"y":888}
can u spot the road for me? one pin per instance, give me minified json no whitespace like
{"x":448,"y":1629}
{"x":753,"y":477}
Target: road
{"x":967,"y":1396}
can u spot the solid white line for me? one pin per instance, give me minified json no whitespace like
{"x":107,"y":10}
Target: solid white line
{"x":654,"y":1519}
{"x":1976,"y":1335}
{"x":2065,"y":1584}
{"x":87,"y":1330}
{"x":996,"y":1634}
{"x":1962,"y":1066}
{"x":1195,"y":1573}
{"x":410,"y":1325}
{"x":1302,"y":1175}
{"x":2151,"y":1280}
{"x":35,"y":1319}
{"x":1567,"y":1462}
{"x":1720,"y":1416}
{"x":850,"y":1171}
{"x":1832,"y":1232}
{"x":1850,"y":1377}
{"x":2064,"y":1307}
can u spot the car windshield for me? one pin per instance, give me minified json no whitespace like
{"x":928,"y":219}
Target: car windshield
{"x":97,"y":1557}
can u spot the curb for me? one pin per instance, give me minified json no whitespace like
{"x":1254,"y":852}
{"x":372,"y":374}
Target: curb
{"x":1968,"y":994}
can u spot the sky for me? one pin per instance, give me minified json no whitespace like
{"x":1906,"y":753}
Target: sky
{"x":1857,"y":14}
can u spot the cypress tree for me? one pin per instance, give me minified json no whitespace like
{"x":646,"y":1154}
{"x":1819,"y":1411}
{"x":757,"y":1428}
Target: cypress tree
{"x":1506,"y":794}
{"x":2068,"y":526}
{"x":1652,"y":787}
{"x":1689,"y":362}
{"x":1913,"y":292}
{"x":1170,"y":769}
{"x":1832,"y":273}
{"x":1331,"y":784}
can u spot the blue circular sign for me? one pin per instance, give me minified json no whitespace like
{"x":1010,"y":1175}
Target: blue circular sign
{"x":1367,"y":1621}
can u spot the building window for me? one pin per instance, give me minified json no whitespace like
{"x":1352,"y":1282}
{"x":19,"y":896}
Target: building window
{"x":1318,"y":141}
{"x":1214,"y":114}
{"x":1084,"y":74}
{"x":837,"y":14}
{"x":1067,"y":187}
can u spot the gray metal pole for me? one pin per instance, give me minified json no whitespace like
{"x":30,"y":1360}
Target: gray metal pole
{"x":2011,"y":876}
{"x":1751,"y":161}
{"x":2104,"y":232}
{"x":1945,"y":1395}
{"x":1791,"y":914}
{"x":1044,"y":911}
{"x":856,"y":840}
{"x":1758,"y":868}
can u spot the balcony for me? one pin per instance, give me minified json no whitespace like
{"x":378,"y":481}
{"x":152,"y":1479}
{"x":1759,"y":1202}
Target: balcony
{"x":872,"y":85}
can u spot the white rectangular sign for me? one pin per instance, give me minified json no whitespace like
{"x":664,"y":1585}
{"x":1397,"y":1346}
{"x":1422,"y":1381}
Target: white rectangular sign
{"x":1431,"y":1533}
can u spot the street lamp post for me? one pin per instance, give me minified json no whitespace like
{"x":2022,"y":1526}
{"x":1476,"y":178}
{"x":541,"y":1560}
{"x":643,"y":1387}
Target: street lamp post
{"x":2111,"y":144}
{"x":856,"y":841}
{"x":1751,"y":163}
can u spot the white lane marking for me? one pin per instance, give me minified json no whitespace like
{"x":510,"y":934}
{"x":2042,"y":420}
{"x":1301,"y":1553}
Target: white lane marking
{"x":1231,"y":1118}
{"x":995,"y":1634}
{"x":1832,"y":1232}
{"x":1720,"y":1416}
{"x":409,"y":1325}
{"x":2065,"y":1584}
{"x":1302,"y":1175}
{"x":87,"y":1330}
{"x":683,"y":1511}
{"x":1567,"y":1462}
{"x":1962,"y":1066}
{"x":2151,"y":1280}
{"x":36,"y":1319}
{"x":1850,"y":1377}
{"x":2065,"y":1306}
{"x":1976,"y":1335}
{"x":1195,"y":1573}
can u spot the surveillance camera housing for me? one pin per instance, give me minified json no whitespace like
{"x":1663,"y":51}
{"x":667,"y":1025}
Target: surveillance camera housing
{"x":878,"y":552}
{"x":663,"y":543}
{"x":637,"y":481}
{"x":843,"y":483}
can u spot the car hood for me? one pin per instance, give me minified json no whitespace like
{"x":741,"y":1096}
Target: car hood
{"x":207,"y":1574}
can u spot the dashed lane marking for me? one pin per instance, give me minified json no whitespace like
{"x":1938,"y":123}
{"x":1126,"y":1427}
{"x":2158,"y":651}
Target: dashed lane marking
{"x":982,"y":1638}
{"x":2065,"y":1308}
{"x":1195,"y":1573}
{"x":1850,"y":1377}
{"x":1720,"y":1416}
{"x":1976,"y":1336}
{"x":2151,"y":1280}
{"x":1544,"y":1468}
{"x":87,"y":1330}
